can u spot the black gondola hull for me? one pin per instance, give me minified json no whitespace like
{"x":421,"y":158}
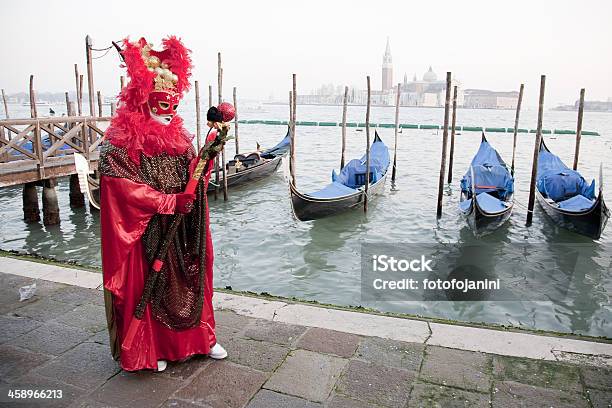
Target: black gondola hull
{"x":251,"y":174}
{"x":484,"y":223}
{"x":590,"y":223}
{"x":308,"y":208}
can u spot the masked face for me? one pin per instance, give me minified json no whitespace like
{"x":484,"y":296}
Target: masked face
{"x":162,"y":106}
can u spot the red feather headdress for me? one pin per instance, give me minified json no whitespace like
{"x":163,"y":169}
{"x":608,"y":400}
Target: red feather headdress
{"x":149,"y":70}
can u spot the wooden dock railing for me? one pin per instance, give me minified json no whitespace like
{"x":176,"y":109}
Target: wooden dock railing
{"x":41,"y":148}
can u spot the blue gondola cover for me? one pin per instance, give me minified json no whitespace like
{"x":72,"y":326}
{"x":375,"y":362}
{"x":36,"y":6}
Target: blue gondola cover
{"x":490,"y":172}
{"x":352,"y":176}
{"x":558,"y":182}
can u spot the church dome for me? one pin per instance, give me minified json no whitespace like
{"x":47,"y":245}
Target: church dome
{"x":430,"y":76}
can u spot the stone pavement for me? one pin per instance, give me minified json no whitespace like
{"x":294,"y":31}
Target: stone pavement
{"x":58,"y":340}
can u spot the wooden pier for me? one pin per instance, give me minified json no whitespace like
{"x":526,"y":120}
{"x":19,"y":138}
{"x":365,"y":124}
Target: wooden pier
{"x":38,"y":149}
{"x":35,"y":152}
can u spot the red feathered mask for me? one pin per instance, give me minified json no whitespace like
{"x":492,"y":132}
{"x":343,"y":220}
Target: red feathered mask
{"x":146,"y":120}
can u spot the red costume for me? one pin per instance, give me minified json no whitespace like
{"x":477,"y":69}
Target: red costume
{"x":144,"y":167}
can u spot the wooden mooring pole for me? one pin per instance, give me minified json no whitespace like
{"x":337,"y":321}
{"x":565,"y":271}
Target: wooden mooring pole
{"x":78,"y":83}
{"x":6,"y":112}
{"x":452,"y":139}
{"x":99,"y":104}
{"x":90,"y":84}
{"x":33,"y":112}
{"x":77,"y":199}
{"x":536,"y":153}
{"x":292,"y":107}
{"x":367,"y":166}
{"x":444,"y":143}
{"x":344,"y":107}
{"x":198,"y":124}
{"x":236,"y":120}
{"x":516,"y":124}
{"x":397,"y":105}
{"x":223,"y":169}
{"x":579,"y":128}
{"x":80,"y":101}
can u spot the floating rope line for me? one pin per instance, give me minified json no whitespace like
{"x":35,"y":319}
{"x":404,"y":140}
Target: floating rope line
{"x":425,"y":126}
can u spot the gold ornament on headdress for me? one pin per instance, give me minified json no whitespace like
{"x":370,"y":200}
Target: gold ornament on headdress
{"x":165,"y":80}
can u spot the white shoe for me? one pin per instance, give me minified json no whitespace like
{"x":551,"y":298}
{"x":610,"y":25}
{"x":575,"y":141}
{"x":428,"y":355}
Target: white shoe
{"x":217,"y":352}
{"x":161,"y":365}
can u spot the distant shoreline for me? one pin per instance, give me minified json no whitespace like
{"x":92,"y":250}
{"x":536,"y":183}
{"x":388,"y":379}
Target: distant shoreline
{"x":378,"y":105}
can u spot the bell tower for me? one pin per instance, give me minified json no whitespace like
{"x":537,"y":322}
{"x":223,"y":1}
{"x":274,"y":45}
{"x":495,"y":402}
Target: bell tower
{"x":387,"y":69}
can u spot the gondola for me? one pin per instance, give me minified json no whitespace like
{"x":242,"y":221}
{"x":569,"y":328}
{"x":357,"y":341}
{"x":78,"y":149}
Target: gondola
{"x":567,"y":198}
{"x":252,"y":166}
{"x":347,"y":189}
{"x":242,"y":169}
{"x":491,"y":182}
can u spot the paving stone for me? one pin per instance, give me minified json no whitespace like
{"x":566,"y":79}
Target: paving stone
{"x":9,"y":300}
{"x":339,"y":401}
{"x":600,"y":398}
{"x":457,"y":368}
{"x":8,"y":280}
{"x":15,"y":362}
{"x":86,"y":402}
{"x":101,"y":337}
{"x":138,"y":389}
{"x":223,"y":384}
{"x":271,"y":399}
{"x":329,"y":342}
{"x":182,"y":370}
{"x":547,"y":374}
{"x":89,"y":317}
{"x":51,"y":338}
{"x":385,"y":386}
{"x":307,"y":374}
{"x":438,"y":396}
{"x":11,"y":327}
{"x":177,"y":403}
{"x":69,"y":394}
{"x":259,"y":355}
{"x":43,"y":310}
{"x":391,"y":353}
{"x":513,"y":394}
{"x":77,"y":296}
{"x":231,"y":319}
{"x":273,"y":332}
{"x":226,"y":333}
{"x":597,"y":377}
{"x":88,"y":365}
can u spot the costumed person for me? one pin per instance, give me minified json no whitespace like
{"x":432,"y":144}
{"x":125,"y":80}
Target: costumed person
{"x":157,"y":254}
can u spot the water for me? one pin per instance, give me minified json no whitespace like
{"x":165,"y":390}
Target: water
{"x":259,"y":246}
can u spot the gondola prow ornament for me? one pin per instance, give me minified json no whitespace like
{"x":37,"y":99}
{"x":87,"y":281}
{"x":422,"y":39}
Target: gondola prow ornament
{"x":157,"y":255}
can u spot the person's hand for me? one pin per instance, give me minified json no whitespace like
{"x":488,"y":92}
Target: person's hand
{"x":184,"y":202}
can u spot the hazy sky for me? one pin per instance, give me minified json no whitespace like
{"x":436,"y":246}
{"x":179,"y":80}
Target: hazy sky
{"x":486,"y":44}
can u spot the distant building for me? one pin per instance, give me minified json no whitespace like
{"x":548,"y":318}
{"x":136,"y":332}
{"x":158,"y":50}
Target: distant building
{"x":589,"y":106}
{"x":387,"y":69}
{"x":428,"y":92}
{"x":484,"y":99}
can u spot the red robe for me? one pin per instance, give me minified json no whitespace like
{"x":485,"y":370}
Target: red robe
{"x":126,"y":208}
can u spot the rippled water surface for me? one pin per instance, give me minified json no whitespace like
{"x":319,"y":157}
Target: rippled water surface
{"x":260,"y":246}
